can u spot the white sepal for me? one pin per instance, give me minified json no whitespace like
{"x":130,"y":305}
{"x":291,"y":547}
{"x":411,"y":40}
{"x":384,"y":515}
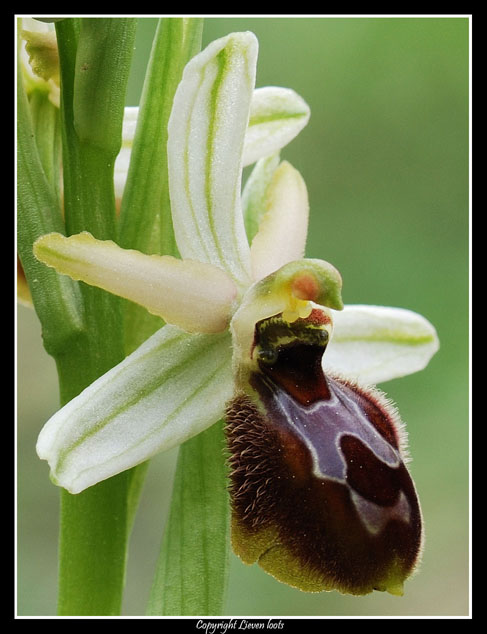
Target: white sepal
{"x":372,"y":344}
{"x":277,"y":116}
{"x":206,"y":134}
{"x":172,"y":387}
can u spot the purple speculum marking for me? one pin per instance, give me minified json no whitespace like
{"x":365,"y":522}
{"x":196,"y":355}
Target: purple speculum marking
{"x":331,"y":418}
{"x":328,"y":421}
{"x":321,"y":426}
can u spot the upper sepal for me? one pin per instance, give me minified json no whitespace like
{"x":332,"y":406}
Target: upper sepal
{"x":206,"y":134}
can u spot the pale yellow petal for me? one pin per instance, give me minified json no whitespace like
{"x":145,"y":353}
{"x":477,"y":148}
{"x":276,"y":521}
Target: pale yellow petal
{"x":281,"y":237}
{"x":196,"y":297}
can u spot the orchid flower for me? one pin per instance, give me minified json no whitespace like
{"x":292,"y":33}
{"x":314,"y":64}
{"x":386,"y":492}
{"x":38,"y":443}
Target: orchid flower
{"x":248,"y":320}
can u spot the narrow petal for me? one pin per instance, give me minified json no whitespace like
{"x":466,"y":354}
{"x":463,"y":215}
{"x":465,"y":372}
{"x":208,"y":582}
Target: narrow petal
{"x":194,"y":296}
{"x":171,"y":388}
{"x":376,"y":343}
{"x":254,"y":193}
{"x":281,"y":237}
{"x":277,"y":115}
{"x":206,"y":136}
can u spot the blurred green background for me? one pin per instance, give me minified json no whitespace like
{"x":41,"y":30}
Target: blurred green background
{"x":385,"y":158}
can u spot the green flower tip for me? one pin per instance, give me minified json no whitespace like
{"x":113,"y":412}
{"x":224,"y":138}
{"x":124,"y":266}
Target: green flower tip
{"x":303,"y":283}
{"x":316,"y":281}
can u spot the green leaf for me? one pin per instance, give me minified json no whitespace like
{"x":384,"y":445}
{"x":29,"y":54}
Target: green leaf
{"x":145,"y":215}
{"x":50,"y":19}
{"x":145,"y":204}
{"x":192,"y":569}
{"x":172,"y":387}
{"x":47,"y":130}
{"x":57,"y":300}
{"x":377,"y":343}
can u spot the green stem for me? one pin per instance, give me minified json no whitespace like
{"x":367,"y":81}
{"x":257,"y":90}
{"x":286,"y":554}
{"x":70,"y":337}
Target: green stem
{"x":95,"y":59}
{"x":93,"y":540}
{"x":192,"y":571}
{"x":145,"y":203}
{"x":57,"y":299}
{"x":145,"y":215}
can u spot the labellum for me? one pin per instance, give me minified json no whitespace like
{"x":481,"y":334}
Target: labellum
{"x":322,"y":499}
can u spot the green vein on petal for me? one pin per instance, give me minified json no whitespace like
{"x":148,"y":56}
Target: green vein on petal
{"x":172,"y":387}
{"x":206,"y":136}
{"x":373,"y":344}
